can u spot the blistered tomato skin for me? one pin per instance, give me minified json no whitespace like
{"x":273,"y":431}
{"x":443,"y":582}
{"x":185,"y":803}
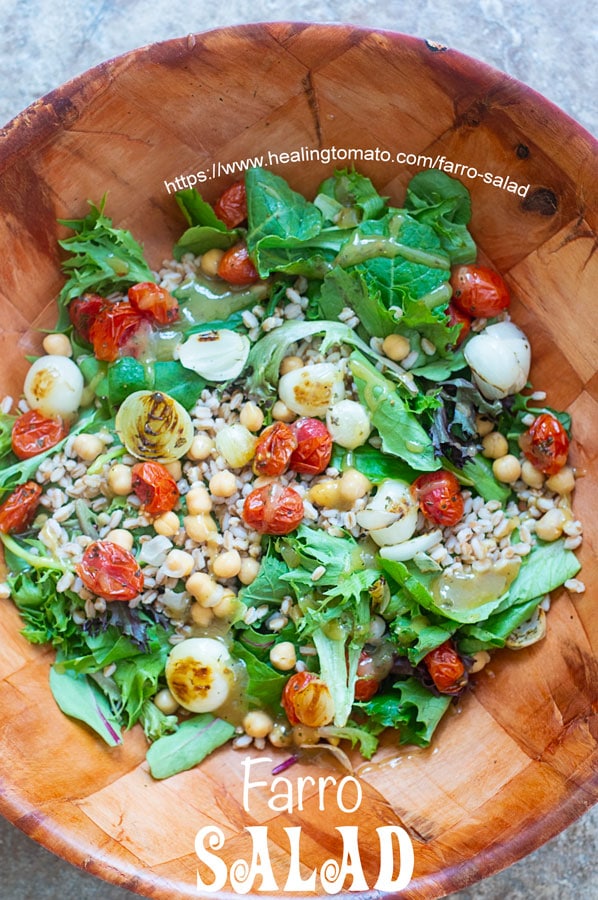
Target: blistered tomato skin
{"x":440,"y":498}
{"x":446,"y":669}
{"x":33,"y":433}
{"x":231,"y":206}
{"x":115,"y":330}
{"x":546,"y":444}
{"x":307,"y":700}
{"x":274,"y":449}
{"x":479,"y":291}
{"x":109,"y":571}
{"x":314,"y":447}
{"x":155,"y":487}
{"x":154,"y":301}
{"x":236,"y":267}
{"x":19,"y":509}
{"x":83,"y":311}
{"x":273,"y":509}
{"x":458,"y":317}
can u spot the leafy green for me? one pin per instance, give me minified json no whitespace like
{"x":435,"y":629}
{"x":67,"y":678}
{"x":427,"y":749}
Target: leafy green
{"x":155,"y":723}
{"x":264,"y":684}
{"x":342,"y":288}
{"x":6,"y":423}
{"x":203,"y":300}
{"x":127,"y":375}
{"x":274,"y":209}
{"x":547,"y":567}
{"x":137,"y":679}
{"x":103,"y":258}
{"x":454,"y":431}
{"x":79,"y":697}
{"x":494,"y":631}
{"x":444,"y":203}
{"x":371,"y":462}
{"x":194,"y":739}
{"x":267,"y":587}
{"x":353,"y":197}
{"x":400,"y":431}
{"x":361,"y":734}
{"x":409,"y":708}
{"x":198,"y":211}
{"x":477,"y":473}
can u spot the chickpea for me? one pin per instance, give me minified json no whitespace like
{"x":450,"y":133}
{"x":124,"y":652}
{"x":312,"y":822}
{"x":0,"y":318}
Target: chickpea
{"x":204,"y":589}
{"x":88,"y":446}
{"x":281,"y":735}
{"x":352,"y":486}
{"x":210,"y":261}
{"x":507,"y":468}
{"x":562,"y":482}
{"x":175,"y":469}
{"x":167,"y":524}
{"x":530,"y":475}
{"x":282,"y":413}
{"x":494,"y":445}
{"x":226,"y":606}
{"x":325,"y":493}
{"x":120,"y":536}
{"x":166,"y":702}
{"x":257,"y":724}
{"x":283,"y":656}
{"x":223,"y":484}
{"x":480,"y":660}
{"x":483,"y":425}
{"x":249,"y":570}
{"x":201,"y":447}
{"x":227,"y":564}
{"x":198,"y":501}
{"x":396,"y":347}
{"x":200,"y":528}
{"x":57,"y":345}
{"x":550,"y":526}
{"x":179,"y":563}
{"x":120,"y":479}
{"x":201,"y":615}
{"x":251,"y":417}
{"x":291,"y":364}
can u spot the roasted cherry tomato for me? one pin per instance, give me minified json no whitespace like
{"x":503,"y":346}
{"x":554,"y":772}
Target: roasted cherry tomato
{"x":479,"y":291}
{"x":33,"y":433}
{"x":83,"y":311}
{"x":368,"y":681}
{"x":314,"y":447}
{"x":236,"y":266}
{"x":273,"y":509}
{"x":274,"y":449}
{"x":18,"y":510}
{"x":118,"y":329}
{"x":546,"y":444}
{"x":155,"y":487}
{"x":307,"y":700}
{"x":231,"y":205}
{"x":446,"y":669}
{"x":440,"y":497}
{"x":154,"y":301}
{"x":109,"y":571}
{"x":458,"y":317}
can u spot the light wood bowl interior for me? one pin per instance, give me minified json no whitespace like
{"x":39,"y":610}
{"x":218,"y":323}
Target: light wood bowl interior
{"x":519,"y":760}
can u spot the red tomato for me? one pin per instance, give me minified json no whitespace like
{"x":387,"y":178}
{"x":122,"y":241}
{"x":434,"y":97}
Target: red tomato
{"x":440,"y":497}
{"x":273,"y":509}
{"x":83,"y":311}
{"x":110,"y":571}
{"x":307,"y":700}
{"x":458,"y":317}
{"x":367,"y":682}
{"x":546,"y":444}
{"x":231,"y":205}
{"x":118,"y":329}
{"x":33,"y":433}
{"x":479,"y":291}
{"x":155,"y":487}
{"x":274,"y":449}
{"x":446,"y":668}
{"x":236,"y":267}
{"x":18,"y":510}
{"x":154,"y":302}
{"x":314,"y":447}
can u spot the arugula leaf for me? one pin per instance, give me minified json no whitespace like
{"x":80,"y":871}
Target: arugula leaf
{"x":77,"y":696}
{"x":444,"y":203}
{"x":401,"y":433}
{"x":104,"y":258}
{"x":412,"y":710}
{"x":193,"y":740}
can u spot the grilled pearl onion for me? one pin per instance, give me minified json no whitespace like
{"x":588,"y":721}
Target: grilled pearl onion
{"x":199,"y":674}
{"x":154,"y":426}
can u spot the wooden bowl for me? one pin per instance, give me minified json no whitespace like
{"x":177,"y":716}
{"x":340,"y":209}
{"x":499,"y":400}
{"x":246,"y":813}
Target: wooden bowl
{"x":518,"y":763}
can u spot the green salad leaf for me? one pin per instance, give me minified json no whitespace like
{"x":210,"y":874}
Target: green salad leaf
{"x":410,"y":709}
{"x":194,"y":739}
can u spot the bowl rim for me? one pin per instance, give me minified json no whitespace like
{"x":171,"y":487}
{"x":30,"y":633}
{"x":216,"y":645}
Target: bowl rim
{"x":35,"y":125}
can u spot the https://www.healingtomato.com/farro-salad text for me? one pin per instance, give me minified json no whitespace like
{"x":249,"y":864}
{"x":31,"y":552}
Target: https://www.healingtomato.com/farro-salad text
{"x":344,"y":156}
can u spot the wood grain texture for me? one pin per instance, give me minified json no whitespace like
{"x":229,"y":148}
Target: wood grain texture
{"x":518,"y":761}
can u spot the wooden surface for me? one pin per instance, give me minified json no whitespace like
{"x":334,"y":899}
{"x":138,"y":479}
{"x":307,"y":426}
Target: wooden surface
{"x":518,"y":762}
